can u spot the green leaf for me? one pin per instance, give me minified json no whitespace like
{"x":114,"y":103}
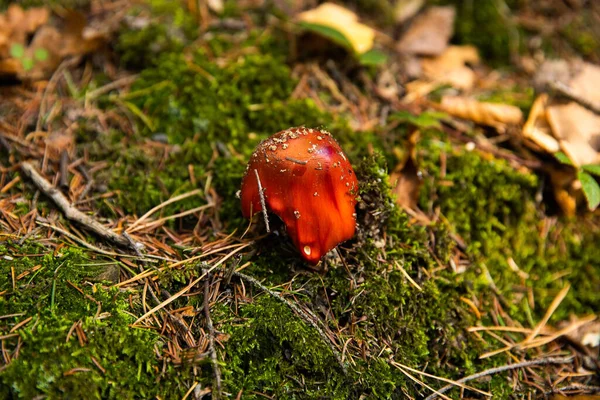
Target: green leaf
{"x":329,"y":33}
{"x":427,"y":119}
{"x":591,"y":189}
{"x":563,"y":158}
{"x":40,"y":54}
{"x":27,"y":63}
{"x":592,"y":169}
{"x":17,"y":50}
{"x":373,"y":57}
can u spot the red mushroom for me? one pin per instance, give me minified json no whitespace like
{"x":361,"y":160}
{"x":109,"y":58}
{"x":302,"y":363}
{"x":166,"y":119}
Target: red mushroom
{"x":306,"y":180}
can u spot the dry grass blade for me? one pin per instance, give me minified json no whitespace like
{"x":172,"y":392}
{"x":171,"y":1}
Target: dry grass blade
{"x":162,"y":205}
{"x":190,"y":285}
{"x":419,"y":382}
{"x":553,"y":306}
{"x":571,"y":328}
{"x":492,"y":371}
{"x":462,"y":385}
{"x":149,"y":272}
{"x":160,"y":221}
{"x":407,"y":276}
{"x":499,"y":328}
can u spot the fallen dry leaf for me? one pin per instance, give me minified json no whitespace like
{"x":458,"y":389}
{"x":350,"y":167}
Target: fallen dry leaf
{"x":491,"y":114}
{"x":344,"y":21}
{"x":577,"y":130}
{"x":537,"y":128}
{"x":450,"y":67}
{"x":429,"y":33}
{"x":405,"y":178}
{"x":586,"y":335}
{"x":49,"y":45}
{"x":587,"y":82}
{"x":564,"y":186}
{"x":17,"y":24}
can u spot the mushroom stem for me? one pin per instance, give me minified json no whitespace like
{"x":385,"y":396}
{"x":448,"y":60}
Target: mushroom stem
{"x":262,"y":201}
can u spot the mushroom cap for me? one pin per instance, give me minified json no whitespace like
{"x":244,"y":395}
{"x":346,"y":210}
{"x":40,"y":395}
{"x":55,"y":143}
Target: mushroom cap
{"x":309,"y":183}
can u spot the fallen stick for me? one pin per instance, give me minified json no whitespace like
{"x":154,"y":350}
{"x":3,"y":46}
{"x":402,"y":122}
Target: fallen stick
{"x":492,"y":371}
{"x":73,"y":213}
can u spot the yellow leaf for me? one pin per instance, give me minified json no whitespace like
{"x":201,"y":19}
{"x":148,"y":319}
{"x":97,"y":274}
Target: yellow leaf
{"x":344,"y":21}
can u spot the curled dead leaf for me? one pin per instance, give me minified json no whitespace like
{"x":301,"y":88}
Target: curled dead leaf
{"x":537,"y":128}
{"x":490,"y":114}
{"x":577,"y":130}
{"x":49,"y":45}
{"x":450,"y":67}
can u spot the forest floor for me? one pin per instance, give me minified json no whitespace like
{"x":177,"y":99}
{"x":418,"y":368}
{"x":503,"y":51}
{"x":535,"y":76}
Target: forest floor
{"x":128,"y":271}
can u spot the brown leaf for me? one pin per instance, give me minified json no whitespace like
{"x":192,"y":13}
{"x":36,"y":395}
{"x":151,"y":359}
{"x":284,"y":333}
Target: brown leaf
{"x":537,"y":128}
{"x":450,"y":67}
{"x":72,"y":38}
{"x":16,"y":24}
{"x":491,"y":114}
{"x":577,"y":130}
{"x":567,"y":195}
{"x":429,"y":33}
{"x":406,"y":179}
{"x":586,"y":335}
{"x":587,"y":82}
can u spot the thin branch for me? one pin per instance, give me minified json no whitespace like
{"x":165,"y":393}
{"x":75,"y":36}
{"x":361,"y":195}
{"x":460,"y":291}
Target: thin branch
{"x":492,"y":371}
{"x":303,"y":314}
{"x":71,"y":212}
{"x":211,"y":343}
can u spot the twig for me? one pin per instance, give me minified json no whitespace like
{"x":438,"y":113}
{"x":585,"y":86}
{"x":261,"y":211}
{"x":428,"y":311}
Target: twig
{"x":492,"y":371}
{"x":566,"y":91}
{"x":261,"y":195}
{"x":64,"y":169}
{"x":211,"y":343}
{"x":306,"y":317}
{"x":71,"y":212}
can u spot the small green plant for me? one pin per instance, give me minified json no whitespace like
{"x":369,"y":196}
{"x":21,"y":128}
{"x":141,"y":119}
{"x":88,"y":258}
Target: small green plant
{"x":17,"y":51}
{"x":585,"y":174}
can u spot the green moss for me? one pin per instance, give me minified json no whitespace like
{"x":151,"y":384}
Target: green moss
{"x":482,"y":25}
{"x":276,"y":354}
{"x":47,"y":363}
{"x":583,"y":39}
{"x":492,"y":208}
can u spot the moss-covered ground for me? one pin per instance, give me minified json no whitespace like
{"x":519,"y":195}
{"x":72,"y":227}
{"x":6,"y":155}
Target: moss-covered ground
{"x":488,"y":250}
